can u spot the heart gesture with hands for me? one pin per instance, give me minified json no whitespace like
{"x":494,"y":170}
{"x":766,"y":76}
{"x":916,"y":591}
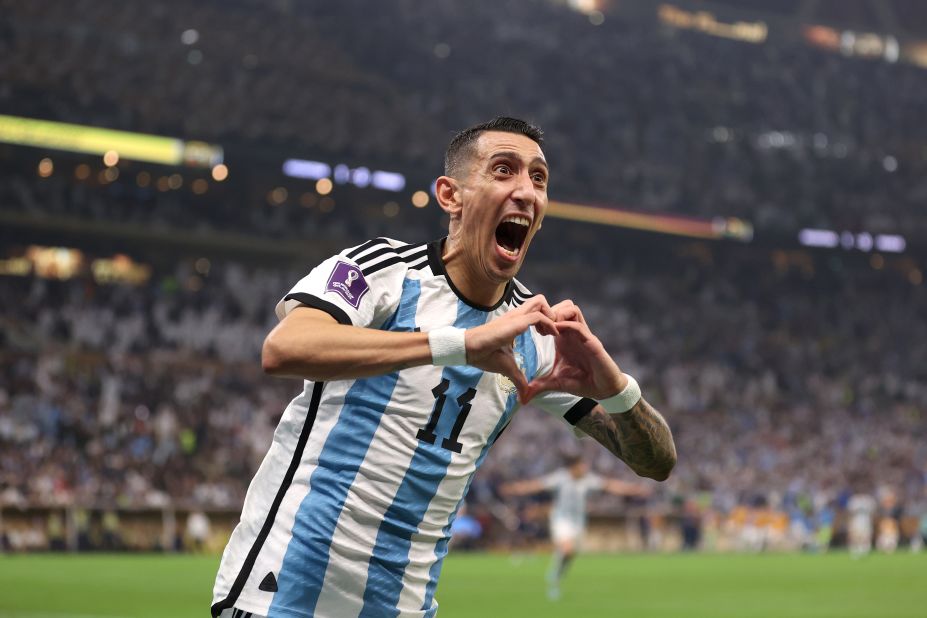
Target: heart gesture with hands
{"x":490,"y":347}
{"x":582,"y":366}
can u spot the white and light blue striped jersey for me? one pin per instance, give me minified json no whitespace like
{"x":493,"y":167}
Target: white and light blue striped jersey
{"x":570,"y":495}
{"x":350,"y":512}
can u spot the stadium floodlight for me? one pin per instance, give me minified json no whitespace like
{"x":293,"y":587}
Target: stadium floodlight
{"x":890,"y":243}
{"x":99,"y":141}
{"x":312,"y":170}
{"x":342,"y":174}
{"x":388,"y":181}
{"x":863,"y":241}
{"x":819,"y":238}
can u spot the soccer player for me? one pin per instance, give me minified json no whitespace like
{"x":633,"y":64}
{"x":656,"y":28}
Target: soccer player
{"x":570,"y":486}
{"x":861,"y":508}
{"x":415,"y":357}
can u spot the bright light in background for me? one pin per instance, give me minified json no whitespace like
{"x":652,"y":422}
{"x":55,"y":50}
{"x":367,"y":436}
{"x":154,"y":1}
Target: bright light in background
{"x":46,"y":167}
{"x":360,"y":177}
{"x":890,"y":243}
{"x":82,"y":171}
{"x":342,"y":174}
{"x":220,"y":172}
{"x":323,"y":186}
{"x":863,"y":241}
{"x":312,"y":170}
{"x":278,"y":196}
{"x":110,"y":158}
{"x":143,"y":179}
{"x":189,"y":37}
{"x":388,"y":181}
{"x":175,"y":181}
{"x":819,"y":238}
{"x":420,"y":199}
{"x":200,"y":186}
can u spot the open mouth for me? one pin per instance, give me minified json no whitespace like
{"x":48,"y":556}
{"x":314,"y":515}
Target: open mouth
{"x":511,"y":234}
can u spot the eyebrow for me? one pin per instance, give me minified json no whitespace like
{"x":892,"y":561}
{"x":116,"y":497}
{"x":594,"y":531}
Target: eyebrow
{"x":510,"y":154}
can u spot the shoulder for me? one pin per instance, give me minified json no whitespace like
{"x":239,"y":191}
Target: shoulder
{"x":520,"y":293}
{"x":382,"y":253}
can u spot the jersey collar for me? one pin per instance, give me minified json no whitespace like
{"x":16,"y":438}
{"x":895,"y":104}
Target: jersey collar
{"x":435,"y":251}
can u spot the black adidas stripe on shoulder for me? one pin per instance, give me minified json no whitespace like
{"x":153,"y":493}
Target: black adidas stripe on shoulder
{"x":410,"y":254}
{"x":420,"y":265}
{"x":366,"y":246}
{"x":520,"y":295}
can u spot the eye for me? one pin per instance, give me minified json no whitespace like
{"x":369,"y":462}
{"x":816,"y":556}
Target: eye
{"x":502,"y":168}
{"x":539,"y":177}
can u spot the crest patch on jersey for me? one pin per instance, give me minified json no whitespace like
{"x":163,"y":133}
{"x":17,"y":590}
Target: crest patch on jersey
{"x":504,"y":383}
{"x":348,"y":282}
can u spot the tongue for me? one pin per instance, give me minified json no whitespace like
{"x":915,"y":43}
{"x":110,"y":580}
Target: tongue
{"x":505,"y":239}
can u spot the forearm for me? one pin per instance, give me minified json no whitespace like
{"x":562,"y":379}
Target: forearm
{"x":640,"y":437}
{"x":323,"y":351}
{"x":523,"y":488}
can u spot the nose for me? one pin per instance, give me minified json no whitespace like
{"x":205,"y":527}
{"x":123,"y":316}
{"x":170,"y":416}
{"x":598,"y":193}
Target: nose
{"x":523,"y":193}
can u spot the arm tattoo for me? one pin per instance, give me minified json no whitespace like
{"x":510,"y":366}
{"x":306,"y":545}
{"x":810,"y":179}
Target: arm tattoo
{"x":639,"y":437}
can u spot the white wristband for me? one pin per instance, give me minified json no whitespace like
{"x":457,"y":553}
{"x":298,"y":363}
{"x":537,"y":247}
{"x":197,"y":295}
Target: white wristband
{"x":625,"y":400}
{"x":448,"y":346}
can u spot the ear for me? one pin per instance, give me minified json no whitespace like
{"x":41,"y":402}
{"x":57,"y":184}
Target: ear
{"x":447,"y":192}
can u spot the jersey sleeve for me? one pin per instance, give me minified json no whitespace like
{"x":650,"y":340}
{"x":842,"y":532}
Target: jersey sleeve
{"x":350,"y":288}
{"x":570,"y":408}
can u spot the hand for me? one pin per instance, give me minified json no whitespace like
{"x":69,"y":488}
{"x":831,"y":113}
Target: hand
{"x":582,"y":367}
{"x":490,"y":346}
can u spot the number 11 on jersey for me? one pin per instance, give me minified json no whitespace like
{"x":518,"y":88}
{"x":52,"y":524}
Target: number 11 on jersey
{"x":427,"y":433}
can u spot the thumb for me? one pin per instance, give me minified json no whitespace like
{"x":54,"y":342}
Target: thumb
{"x":540,"y":385}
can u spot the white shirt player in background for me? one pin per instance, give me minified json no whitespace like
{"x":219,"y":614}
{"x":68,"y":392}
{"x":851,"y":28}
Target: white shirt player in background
{"x":861,"y":508}
{"x":570,"y":486}
{"x":414,"y":357}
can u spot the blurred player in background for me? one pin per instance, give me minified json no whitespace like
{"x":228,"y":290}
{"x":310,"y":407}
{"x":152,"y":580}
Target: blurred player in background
{"x":861,"y":509}
{"x":415,"y":357}
{"x":570,"y":486}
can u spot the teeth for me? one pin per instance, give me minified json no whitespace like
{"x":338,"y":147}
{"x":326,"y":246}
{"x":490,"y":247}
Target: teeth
{"x":516,"y":219}
{"x":511,"y":253}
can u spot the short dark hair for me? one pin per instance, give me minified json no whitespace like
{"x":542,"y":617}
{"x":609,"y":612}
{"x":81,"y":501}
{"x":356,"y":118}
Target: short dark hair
{"x":462,"y":147}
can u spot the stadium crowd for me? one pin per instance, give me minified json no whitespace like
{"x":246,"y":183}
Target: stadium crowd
{"x":779,"y":133}
{"x":781,"y":388}
{"x":788,"y":384}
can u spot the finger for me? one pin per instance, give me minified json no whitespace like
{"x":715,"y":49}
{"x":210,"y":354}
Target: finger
{"x":576,"y":329}
{"x":540,"y":385}
{"x":571,"y":313}
{"x":539,"y":303}
{"x":544,"y":324}
{"x":561,"y":306}
{"x":541,"y":322}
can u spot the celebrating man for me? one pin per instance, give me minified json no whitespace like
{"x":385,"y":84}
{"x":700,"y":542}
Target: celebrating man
{"x":415,"y":357}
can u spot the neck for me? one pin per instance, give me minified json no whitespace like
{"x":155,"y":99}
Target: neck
{"x":463,"y":272}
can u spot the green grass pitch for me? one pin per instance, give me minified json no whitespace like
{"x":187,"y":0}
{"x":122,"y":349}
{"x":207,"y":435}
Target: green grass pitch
{"x":484,"y":585}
